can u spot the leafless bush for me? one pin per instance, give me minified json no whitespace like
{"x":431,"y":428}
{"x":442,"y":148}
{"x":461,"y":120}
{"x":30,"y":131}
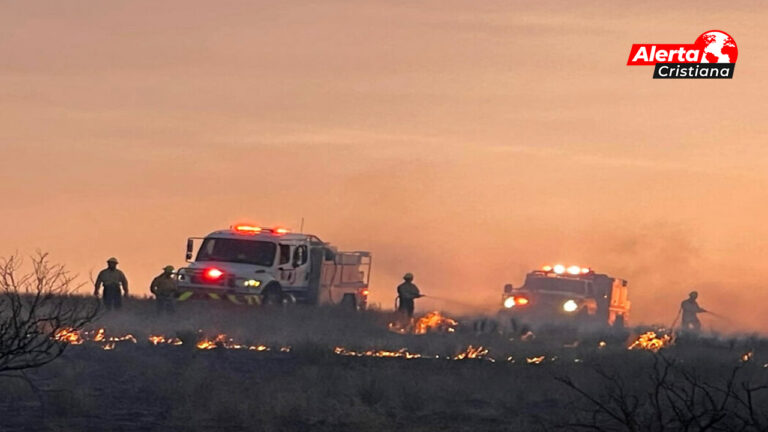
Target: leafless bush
{"x":34,"y":306}
{"x":668,"y":396}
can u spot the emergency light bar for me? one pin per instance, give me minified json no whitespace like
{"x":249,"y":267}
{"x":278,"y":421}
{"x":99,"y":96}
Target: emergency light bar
{"x":250,"y":229}
{"x":571,"y":270}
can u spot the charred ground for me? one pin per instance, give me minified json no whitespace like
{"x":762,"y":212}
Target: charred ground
{"x":300,"y":380}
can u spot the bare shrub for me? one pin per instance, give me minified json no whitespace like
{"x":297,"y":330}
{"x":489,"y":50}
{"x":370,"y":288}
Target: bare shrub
{"x":669,"y":396}
{"x":34,"y":306}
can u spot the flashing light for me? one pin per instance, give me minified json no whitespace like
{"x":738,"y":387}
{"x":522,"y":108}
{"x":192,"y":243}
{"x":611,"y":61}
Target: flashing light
{"x":249,"y":229}
{"x":570,"y":306}
{"x":281,"y":231}
{"x":213,"y":274}
{"x":252,"y":283}
{"x":364,"y":292}
{"x":572,"y":270}
{"x":513,"y":301}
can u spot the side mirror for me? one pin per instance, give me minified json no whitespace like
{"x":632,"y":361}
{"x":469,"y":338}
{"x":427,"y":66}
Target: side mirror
{"x":508,"y":288}
{"x":190,"y":248}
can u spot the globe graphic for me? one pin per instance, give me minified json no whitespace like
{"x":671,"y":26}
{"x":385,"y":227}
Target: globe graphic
{"x":718,"y":47}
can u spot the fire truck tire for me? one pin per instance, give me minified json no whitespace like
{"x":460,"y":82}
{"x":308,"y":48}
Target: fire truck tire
{"x":583,"y":316}
{"x":273,"y":295}
{"x":349,"y":302}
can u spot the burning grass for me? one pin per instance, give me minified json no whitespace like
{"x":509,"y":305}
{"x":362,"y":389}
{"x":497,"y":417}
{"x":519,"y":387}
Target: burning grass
{"x":651,"y":341}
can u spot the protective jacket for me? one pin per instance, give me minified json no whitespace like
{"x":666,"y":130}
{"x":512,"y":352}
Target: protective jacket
{"x":408,"y":291}
{"x":163,"y":286}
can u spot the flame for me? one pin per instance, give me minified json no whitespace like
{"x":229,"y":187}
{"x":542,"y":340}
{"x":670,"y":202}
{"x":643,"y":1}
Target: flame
{"x":108,"y":346}
{"x":650,"y":341}
{"x":69,"y":335}
{"x":402,"y":353}
{"x":99,"y":335}
{"x":223,"y":341}
{"x":162,"y":340}
{"x":434,"y":321}
{"x":535,"y":360}
{"x":472,"y":353}
{"x":747,"y":356}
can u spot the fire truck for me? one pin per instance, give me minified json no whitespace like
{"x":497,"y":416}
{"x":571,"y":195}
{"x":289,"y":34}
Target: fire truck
{"x":560,"y":293}
{"x":253,"y":265}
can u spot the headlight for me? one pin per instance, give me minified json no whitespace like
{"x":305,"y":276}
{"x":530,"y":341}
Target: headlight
{"x":570,"y":306}
{"x":253,"y":283}
{"x":509,"y":302}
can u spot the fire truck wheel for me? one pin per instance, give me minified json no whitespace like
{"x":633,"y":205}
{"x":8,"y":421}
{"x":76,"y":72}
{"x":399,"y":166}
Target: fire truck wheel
{"x":273,"y":295}
{"x":349,"y":302}
{"x":583,"y":316}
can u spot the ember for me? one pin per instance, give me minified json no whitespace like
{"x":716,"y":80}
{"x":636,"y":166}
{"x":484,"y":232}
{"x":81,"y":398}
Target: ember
{"x":161,"y":340}
{"x":402,"y":353}
{"x":650,"y":341}
{"x":535,"y":360}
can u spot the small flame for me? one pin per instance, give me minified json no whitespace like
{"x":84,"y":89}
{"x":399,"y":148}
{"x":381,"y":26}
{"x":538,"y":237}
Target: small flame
{"x":162,"y":340}
{"x":472,"y":353}
{"x":747,"y":356}
{"x":69,"y":335}
{"x":535,"y":360}
{"x":401,"y":353}
{"x":650,"y":341}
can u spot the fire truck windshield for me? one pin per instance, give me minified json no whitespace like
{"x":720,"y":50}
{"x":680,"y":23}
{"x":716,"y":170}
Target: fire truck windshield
{"x":256,"y":252}
{"x":572,"y":286}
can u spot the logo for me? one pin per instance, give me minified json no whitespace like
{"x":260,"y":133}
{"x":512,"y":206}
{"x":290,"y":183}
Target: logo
{"x":712,"y":55}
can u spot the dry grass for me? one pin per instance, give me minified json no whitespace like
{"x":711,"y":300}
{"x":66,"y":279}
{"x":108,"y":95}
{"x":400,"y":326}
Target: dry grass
{"x":141,"y":387}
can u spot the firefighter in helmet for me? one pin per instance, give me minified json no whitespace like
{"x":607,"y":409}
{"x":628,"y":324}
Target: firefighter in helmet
{"x":690,"y":309}
{"x":407,"y":292}
{"x":164,"y":287}
{"x":113,"y":280}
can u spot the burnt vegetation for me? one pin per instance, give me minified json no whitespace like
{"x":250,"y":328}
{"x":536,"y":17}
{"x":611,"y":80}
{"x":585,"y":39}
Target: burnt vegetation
{"x":112,"y":376}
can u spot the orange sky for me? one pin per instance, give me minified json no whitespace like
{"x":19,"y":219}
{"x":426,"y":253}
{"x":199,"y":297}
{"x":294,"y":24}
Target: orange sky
{"x":464,"y":143}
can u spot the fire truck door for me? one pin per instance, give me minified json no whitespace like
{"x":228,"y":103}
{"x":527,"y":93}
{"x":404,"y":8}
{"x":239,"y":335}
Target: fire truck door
{"x":300,"y":265}
{"x":316,"y":258}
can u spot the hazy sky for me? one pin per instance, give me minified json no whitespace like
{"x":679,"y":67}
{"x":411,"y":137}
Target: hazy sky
{"x":464,"y":143}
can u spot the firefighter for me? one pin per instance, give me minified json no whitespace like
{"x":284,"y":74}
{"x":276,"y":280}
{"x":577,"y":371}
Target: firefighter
{"x":164,"y":287}
{"x":690,"y":309}
{"x":407,"y":292}
{"x":113,"y":280}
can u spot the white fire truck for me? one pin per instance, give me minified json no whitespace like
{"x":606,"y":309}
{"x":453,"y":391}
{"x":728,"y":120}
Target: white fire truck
{"x":254,"y":265}
{"x":568,"y":293}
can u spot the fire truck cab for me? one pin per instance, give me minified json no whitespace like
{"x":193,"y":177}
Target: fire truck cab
{"x":560,"y":293}
{"x":254,"y":265}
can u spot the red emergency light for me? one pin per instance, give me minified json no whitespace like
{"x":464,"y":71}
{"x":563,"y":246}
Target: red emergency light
{"x":252,"y":229}
{"x":247,"y":229}
{"x":213,"y":274}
